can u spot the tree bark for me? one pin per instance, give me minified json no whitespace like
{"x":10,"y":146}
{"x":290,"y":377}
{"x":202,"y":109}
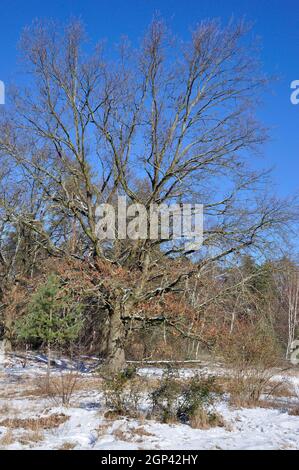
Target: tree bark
{"x":7,"y":332}
{"x":115,"y":360}
{"x":6,"y":320}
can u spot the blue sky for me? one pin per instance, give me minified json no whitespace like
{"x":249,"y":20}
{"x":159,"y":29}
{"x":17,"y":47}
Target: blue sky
{"x":275,"y":21}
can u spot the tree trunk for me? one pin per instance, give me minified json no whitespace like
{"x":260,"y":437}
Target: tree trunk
{"x":115,"y":360}
{"x":2,"y":354}
{"x":7,"y":332}
{"x":104,"y":335}
{"x":49,"y":366}
{"x":6,"y":319}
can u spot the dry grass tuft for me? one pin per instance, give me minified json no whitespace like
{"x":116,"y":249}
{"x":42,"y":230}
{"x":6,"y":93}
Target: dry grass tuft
{"x":68,"y":446}
{"x":5,"y":409}
{"x":112,"y":414}
{"x":102,"y":429}
{"x":294,"y":411}
{"x":31,"y":437}
{"x":122,"y":435}
{"x":202,"y":419}
{"x":141,"y":432}
{"x":7,"y":438}
{"x":35,"y":424}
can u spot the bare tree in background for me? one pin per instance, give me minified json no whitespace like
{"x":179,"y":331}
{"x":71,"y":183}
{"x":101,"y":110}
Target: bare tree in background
{"x":170,"y":121}
{"x":287,"y":281}
{"x":293,"y":305}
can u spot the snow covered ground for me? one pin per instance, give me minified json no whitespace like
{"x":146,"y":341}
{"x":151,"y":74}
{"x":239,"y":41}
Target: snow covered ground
{"x":83,"y":426}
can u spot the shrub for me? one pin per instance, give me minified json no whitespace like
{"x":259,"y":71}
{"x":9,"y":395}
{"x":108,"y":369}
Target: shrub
{"x":123,"y":392}
{"x":60,"y":389}
{"x":251,"y":353}
{"x":198,"y":400}
{"x":189,"y":402}
{"x":166,"y":398}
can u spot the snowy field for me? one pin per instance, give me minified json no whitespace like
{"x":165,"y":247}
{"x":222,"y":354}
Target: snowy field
{"x":28,"y":420}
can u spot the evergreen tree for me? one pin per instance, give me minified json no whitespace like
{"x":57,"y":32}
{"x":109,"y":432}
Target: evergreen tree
{"x":52,"y":317}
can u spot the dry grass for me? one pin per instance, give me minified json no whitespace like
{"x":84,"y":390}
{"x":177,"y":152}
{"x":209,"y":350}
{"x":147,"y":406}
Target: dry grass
{"x":31,"y":437}
{"x":35,"y":424}
{"x":279,"y":389}
{"x":7,"y":439}
{"x":294,"y":411}
{"x":5,"y":409}
{"x":68,"y":446}
{"x":121,"y":435}
{"x":202,"y":419}
{"x":270,"y":404}
{"x":246,"y":387}
{"x":113,"y":415}
{"x":239,"y":390}
{"x":272,"y":391}
{"x":102,"y":429}
{"x":38,"y":387}
{"x":141,"y":432}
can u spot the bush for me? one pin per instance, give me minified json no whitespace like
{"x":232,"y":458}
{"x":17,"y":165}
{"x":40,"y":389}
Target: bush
{"x":166,"y":399}
{"x":60,"y":389}
{"x":189,"y":402}
{"x":198,"y":399}
{"x":123,"y":392}
{"x":251,"y":353}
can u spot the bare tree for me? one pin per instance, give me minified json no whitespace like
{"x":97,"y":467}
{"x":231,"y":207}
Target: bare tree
{"x":170,"y":121}
{"x":293,"y":304}
{"x":287,"y":282}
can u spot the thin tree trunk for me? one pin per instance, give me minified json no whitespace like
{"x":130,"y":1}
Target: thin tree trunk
{"x":49,"y":366}
{"x":293,"y":300}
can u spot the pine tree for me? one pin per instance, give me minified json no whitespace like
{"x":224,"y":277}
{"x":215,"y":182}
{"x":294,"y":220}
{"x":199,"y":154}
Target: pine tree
{"x":52,"y":317}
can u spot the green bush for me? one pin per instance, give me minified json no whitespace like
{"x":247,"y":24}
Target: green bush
{"x":123,"y":392}
{"x":185,"y":401}
{"x":199,"y":394}
{"x":166,"y":398}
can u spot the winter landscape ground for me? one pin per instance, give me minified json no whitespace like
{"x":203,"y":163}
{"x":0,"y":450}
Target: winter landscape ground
{"x":29,"y":421}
